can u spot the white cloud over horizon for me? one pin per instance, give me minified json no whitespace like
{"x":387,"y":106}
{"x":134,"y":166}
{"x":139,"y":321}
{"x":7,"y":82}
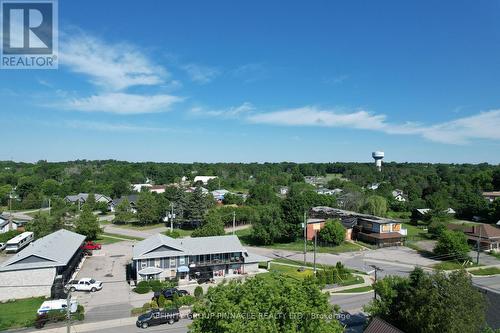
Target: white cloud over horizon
{"x":484,"y":125}
{"x":230,"y":112}
{"x":200,"y":74}
{"x":121,"y":103}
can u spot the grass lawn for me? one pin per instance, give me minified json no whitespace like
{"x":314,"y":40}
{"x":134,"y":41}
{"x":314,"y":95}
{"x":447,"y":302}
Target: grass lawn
{"x":450,"y":265}
{"x":299,"y":246}
{"x":137,"y":226}
{"x":355,"y":290}
{"x":494,"y":254}
{"x":352,"y":281}
{"x":404,"y":216}
{"x":485,"y":271}
{"x":289,"y":271}
{"x":109,"y":238}
{"x":20,"y":313}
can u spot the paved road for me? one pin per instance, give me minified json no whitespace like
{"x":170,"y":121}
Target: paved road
{"x":145,"y":233}
{"x":351,"y":303}
{"x":179,"y":327}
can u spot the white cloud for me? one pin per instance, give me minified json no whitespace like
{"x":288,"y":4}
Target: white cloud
{"x":122,"y":103}
{"x":231,"y":112}
{"x":120,"y":127}
{"x":484,"y":125}
{"x":201,"y":74}
{"x":110,"y":66}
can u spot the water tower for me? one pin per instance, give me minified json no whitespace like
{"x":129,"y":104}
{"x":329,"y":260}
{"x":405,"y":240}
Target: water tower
{"x":378,"y":156}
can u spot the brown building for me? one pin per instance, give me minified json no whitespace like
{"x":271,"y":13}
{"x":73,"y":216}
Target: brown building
{"x":488,"y":235}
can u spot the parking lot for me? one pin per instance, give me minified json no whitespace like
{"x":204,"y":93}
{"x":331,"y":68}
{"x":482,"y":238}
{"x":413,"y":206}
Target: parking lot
{"x":116,"y":299}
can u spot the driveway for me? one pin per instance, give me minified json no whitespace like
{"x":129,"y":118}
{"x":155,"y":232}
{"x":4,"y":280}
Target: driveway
{"x":107,"y":265}
{"x":145,"y":233}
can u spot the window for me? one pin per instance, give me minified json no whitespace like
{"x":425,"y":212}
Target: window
{"x":143,"y":263}
{"x":172,"y":262}
{"x":182,"y":260}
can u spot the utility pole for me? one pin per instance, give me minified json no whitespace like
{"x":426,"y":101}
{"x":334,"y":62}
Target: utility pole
{"x":305,"y":239}
{"x":234,"y":222}
{"x":478,"y":245}
{"x":377,"y":269}
{"x":68,"y":312}
{"x":315,"y":245}
{"x":49,"y":207}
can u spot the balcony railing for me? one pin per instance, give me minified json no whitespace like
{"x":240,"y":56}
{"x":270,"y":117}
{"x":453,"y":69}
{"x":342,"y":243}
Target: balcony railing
{"x":218,"y":262}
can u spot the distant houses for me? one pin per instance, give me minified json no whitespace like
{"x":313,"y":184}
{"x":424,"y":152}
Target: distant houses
{"x":132,"y":199}
{"x":491,"y":196}
{"x":326,"y":191}
{"x":399,"y":195}
{"x":83,"y":197}
{"x":203,"y":179}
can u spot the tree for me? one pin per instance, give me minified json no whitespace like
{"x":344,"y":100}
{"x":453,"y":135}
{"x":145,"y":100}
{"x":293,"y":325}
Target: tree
{"x":429,"y":303}
{"x":333,"y":232}
{"x":269,"y":226}
{"x":122,"y":212}
{"x":213,"y":226}
{"x":147,"y":208}
{"x":42,"y":225}
{"x":375,"y":205}
{"x":87,"y":224}
{"x":91,"y":202}
{"x":233,"y":199}
{"x":453,"y":245}
{"x":262,"y":194}
{"x":274,"y":304}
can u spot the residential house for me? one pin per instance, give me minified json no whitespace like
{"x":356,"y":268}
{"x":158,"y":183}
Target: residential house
{"x":283,"y":190}
{"x":38,"y":265}
{"x":368,"y":228}
{"x":158,"y":189}
{"x":83,"y":197}
{"x":162,"y":257}
{"x":378,"y":325}
{"x":421,"y":212}
{"x":373,"y":186}
{"x":326,"y":191}
{"x":17,"y":223}
{"x":139,"y":187}
{"x":399,"y":195}
{"x":132,"y":199}
{"x":491,"y":196}
{"x":192,"y":189}
{"x":487,"y":235}
{"x":219,"y":194}
{"x":203,"y":179}
{"x":315,"y":180}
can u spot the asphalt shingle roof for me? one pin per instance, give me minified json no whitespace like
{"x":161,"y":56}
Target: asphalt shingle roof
{"x":55,"y":249}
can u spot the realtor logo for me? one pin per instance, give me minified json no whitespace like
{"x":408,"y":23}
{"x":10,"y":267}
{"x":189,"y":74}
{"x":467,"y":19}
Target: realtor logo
{"x":29,"y":34}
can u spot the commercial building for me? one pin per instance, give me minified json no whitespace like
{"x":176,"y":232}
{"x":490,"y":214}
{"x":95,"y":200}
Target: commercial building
{"x":33,"y":271}
{"x":162,"y":257}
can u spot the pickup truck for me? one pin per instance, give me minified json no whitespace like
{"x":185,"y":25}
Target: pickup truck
{"x":85,"y":284}
{"x":158,"y":317}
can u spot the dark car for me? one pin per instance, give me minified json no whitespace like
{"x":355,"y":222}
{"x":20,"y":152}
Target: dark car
{"x":205,"y":280}
{"x":158,"y":317}
{"x":169,"y":293}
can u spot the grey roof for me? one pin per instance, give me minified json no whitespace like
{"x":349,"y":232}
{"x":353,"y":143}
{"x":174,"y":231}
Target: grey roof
{"x":329,"y":212}
{"x":132,"y":199}
{"x":55,"y":249}
{"x":159,"y":246}
{"x":82,"y":197}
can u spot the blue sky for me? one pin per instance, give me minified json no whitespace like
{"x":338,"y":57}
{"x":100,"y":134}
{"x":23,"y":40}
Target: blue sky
{"x":304,"y":81}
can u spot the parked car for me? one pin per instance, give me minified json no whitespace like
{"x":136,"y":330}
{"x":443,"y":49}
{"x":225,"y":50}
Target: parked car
{"x":57,"y":305}
{"x":85,"y":284}
{"x":90,"y":246}
{"x":2,"y":246}
{"x":205,"y":280}
{"x":169,"y":293}
{"x":158,"y":317}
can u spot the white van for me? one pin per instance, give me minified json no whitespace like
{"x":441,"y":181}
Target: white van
{"x":58,"y":304}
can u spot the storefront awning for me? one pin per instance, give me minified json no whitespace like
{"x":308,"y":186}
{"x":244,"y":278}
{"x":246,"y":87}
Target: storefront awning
{"x":150,"y":271}
{"x":182,"y":269}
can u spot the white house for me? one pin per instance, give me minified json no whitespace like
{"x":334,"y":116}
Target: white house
{"x":373,"y":186}
{"x":398,"y":195}
{"x":138,"y":187}
{"x":203,"y":179}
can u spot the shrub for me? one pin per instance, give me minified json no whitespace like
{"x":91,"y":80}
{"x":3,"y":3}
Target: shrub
{"x":436,"y":228}
{"x":170,"y":283}
{"x":142,"y":287}
{"x":155,"y":285}
{"x":333,"y":232}
{"x":168,"y":304}
{"x":186,"y":300}
{"x":173,"y":234}
{"x":154,"y":304}
{"x":198,"y":292}
{"x":146,"y":306}
{"x":161,"y":301}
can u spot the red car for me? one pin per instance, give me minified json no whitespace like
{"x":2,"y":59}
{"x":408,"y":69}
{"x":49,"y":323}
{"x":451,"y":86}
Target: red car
{"x":91,"y":246}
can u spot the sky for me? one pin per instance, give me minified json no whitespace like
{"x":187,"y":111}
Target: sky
{"x":262,"y":81}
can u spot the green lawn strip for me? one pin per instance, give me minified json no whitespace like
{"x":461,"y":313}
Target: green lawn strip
{"x":109,"y":238}
{"x":354,"y":290}
{"x":137,"y":226}
{"x":485,"y":271}
{"x":20,"y":313}
{"x":494,"y":254}
{"x":289,"y":271}
{"x":310,"y":264}
{"x":451,"y":265}
{"x":352,"y":281}
{"x":299,"y":246}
